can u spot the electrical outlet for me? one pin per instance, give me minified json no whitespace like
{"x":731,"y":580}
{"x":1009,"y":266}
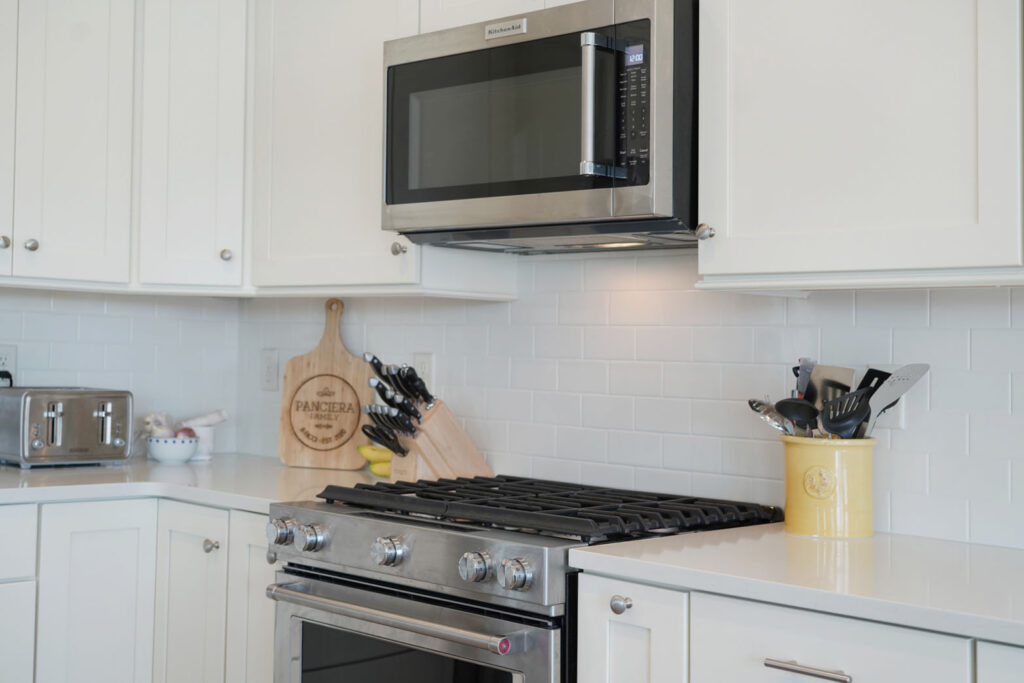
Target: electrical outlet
{"x":269,"y":370}
{"x":424,"y":364}
{"x":9,"y":359}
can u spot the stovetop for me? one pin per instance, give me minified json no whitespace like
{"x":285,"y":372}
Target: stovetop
{"x":590,"y":514}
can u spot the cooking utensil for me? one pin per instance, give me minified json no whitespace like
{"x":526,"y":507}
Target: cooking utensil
{"x":828,"y":382}
{"x":843,"y":415}
{"x":803,"y":377}
{"x":890,"y":391}
{"x":773,"y":417}
{"x":801,"y":412}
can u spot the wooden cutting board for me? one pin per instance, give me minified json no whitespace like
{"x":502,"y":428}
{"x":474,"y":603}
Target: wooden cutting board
{"x":320,"y":402}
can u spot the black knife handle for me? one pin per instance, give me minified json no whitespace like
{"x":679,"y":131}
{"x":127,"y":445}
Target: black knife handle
{"x":378,"y":367}
{"x":385,"y":438}
{"x":408,"y":406}
{"x":417,"y":384}
{"x":383,"y":390}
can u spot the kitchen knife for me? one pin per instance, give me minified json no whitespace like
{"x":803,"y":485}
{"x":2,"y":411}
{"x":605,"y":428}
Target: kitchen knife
{"x":378,"y":367}
{"x":376,"y":418}
{"x":385,"y":438}
{"x":397,"y":383}
{"x":404,"y":422}
{"x":389,"y":416}
{"x":416,"y":383}
{"x":406,"y":405}
{"x":383,"y":390}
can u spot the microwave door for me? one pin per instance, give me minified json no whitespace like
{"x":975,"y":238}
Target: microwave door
{"x":496,"y":136}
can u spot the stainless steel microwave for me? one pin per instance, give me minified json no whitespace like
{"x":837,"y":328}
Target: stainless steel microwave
{"x":571,"y":128}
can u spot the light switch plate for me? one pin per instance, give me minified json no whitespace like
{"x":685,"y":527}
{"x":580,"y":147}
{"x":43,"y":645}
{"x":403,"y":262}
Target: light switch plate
{"x":270,"y":370}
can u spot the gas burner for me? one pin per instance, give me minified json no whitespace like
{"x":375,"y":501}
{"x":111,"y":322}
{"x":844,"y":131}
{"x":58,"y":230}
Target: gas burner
{"x":591,"y":514}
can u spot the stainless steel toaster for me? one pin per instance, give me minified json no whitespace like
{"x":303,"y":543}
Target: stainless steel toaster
{"x":64,"y":426}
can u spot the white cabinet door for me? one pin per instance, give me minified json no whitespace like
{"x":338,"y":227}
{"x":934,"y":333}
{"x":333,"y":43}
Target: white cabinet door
{"x":317,"y":147}
{"x":741,"y":640}
{"x":646,"y":643}
{"x":74,"y":139}
{"x":17,"y":630}
{"x":193,"y":138}
{"x":250,"y":650}
{"x":859,"y":136}
{"x":439,"y":14}
{"x":95,"y":612}
{"x":999,"y":663}
{"x":191,"y":593}
{"x":18,"y":560}
{"x":8,"y":85}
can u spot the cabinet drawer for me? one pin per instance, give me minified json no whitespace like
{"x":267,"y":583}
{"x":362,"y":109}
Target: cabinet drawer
{"x":999,"y":663}
{"x":18,"y":561}
{"x":731,"y":640}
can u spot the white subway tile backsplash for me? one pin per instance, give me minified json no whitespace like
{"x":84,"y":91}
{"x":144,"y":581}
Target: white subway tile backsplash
{"x":692,"y":308}
{"x":510,"y":341}
{"x":609,"y":343}
{"x":76,"y":356}
{"x":557,"y":275}
{"x":558,"y":342}
{"x":108,"y":329}
{"x":928,"y":515}
{"x":692,"y":453}
{"x":666,"y":415}
{"x":583,"y":308}
{"x":692,"y":380}
{"x":10,"y":325}
{"x":670,"y":270}
{"x":939,"y":348}
{"x":461,"y":340}
{"x":509,"y":404}
{"x":467,"y":401}
{"x":856,"y":347}
{"x":832,"y":309}
{"x":533,"y":309}
{"x":50,"y":327}
{"x":608,"y":412}
{"x":557,"y":408}
{"x":997,"y":350}
{"x":534,"y":374}
{"x":634,"y":448}
{"x":902,"y":308}
{"x":748,"y":310}
{"x":487,"y":371}
{"x":558,"y":470}
{"x":583,"y":376}
{"x":660,"y":481}
{"x":530,"y":438}
{"x":753,"y":458}
{"x":488,"y":435}
{"x":634,"y":308}
{"x":575,"y":443}
{"x":975,"y":308}
{"x":723,"y":344}
{"x":488,"y":313}
{"x":634,"y":378}
{"x":741,"y":382}
{"x":786,"y":345}
{"x":610,"y":273}
{"x":994,"y":436}
{"x":611,"y":476}
{"x":723,"y":486}
{"x":664,"y":343}
{"x":970,"y":392}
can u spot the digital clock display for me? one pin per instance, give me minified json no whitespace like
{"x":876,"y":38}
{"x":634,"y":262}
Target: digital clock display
{"x":634,"y":55}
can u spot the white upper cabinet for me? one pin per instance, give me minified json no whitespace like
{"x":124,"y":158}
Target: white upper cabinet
{"x":72,"y":203}
{"x":318,"y":131}
{"x":859,"y":136}
{"x":8,"y":85}
{"x":193,"y":142}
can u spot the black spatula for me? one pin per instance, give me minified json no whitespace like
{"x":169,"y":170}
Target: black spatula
{"x":843,"y":415}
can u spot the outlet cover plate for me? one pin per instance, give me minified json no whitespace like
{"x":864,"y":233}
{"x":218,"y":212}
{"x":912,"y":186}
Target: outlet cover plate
{"x":9,"y":358}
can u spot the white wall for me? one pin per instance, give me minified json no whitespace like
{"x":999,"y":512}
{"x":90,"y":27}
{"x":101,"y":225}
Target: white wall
{"x":615,"y":371}
{"x":177,"y":354}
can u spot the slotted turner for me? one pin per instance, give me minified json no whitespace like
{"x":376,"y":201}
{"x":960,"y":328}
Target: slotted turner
{"x":892,"y":389}
{"x":842,"y":415}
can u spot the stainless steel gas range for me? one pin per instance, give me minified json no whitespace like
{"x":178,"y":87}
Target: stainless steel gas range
{"x":454,"y":581}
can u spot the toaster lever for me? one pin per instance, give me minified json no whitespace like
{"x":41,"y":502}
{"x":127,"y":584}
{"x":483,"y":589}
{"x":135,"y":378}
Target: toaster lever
{"x":55,"y":418}
{"x":105,"y":417}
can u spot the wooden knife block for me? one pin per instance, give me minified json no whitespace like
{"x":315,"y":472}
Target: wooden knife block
{"x":441,"y":450}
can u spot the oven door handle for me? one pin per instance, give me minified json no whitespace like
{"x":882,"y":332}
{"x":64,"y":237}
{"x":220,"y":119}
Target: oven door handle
{"x":589,"y":42}
{"x":293,"y":593}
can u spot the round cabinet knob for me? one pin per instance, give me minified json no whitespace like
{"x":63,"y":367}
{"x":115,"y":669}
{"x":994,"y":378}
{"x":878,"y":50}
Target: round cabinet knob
{"x":474,"y":567}
{"x":397,"y":248}
{"x":387,"y":551}
{"x":310,"y":537}
{"x":280,"y":531}
{"x":515,"y":575}
{"x":209,"y":546}
{"x":620,"y":604}
{"x":226,"y":254}
{"x":31,"y":245}
{"x":5,"y":241}
{"x":705,"y":231}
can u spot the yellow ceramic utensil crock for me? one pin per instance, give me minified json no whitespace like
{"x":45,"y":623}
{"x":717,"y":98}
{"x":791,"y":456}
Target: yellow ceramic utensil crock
{"x":828,"y":487}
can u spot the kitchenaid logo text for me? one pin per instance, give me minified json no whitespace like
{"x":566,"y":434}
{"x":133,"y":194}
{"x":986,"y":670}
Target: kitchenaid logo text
{"x":505,"y":28}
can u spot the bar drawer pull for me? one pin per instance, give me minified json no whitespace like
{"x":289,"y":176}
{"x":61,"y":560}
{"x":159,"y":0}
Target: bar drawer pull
{"x":794,"y":668}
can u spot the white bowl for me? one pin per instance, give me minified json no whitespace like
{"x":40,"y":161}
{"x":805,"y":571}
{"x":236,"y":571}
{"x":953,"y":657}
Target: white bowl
{"x":171,"y":450}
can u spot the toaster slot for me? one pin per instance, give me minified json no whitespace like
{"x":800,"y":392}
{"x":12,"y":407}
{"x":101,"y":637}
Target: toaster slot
{"x":105,"y":421}
{"x":54,"y":415}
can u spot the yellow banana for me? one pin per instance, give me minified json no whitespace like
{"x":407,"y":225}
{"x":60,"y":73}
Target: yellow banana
{"x":381,"y":469}
{"x":375,"y":454}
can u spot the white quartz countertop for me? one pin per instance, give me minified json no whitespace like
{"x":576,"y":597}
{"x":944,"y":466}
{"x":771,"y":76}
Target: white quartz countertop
{"x":946,"y":586}
{"x":241,"y":482}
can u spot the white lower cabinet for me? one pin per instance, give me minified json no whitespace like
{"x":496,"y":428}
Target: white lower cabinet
{"x":999,"y":663}
{"x":17,"y":630}
{"x":741,"y":640}
{"x":191,"y":593}
{"x":630,"y":633}
{"x":96,"y":580}
{"x":250,"y":631}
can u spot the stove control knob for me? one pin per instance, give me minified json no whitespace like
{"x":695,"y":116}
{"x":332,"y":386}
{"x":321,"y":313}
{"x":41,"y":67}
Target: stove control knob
{"x":281,"y":531}
{"x":387,"y":551}
{"x":310,"y":537}
{"x":515,"y":574}
{"x":475,"y":567}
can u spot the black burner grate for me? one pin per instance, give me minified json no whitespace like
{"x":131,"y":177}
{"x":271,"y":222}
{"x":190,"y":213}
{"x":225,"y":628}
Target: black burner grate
{"x":590,"y":513}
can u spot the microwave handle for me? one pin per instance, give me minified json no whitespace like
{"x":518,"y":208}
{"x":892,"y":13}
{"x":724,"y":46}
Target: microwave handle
{"x":589,"y":43}
{"x":500,"y":645}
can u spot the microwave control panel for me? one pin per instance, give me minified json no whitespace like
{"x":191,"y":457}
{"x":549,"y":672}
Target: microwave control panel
{"x":634,"y":105}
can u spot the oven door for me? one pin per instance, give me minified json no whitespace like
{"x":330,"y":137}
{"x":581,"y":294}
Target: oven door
{"x":357,"y":632}
{"x":522,"y":127}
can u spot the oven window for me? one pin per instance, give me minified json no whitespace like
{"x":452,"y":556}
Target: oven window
{"x":336,"y":656}
{"x":495,"y":122}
